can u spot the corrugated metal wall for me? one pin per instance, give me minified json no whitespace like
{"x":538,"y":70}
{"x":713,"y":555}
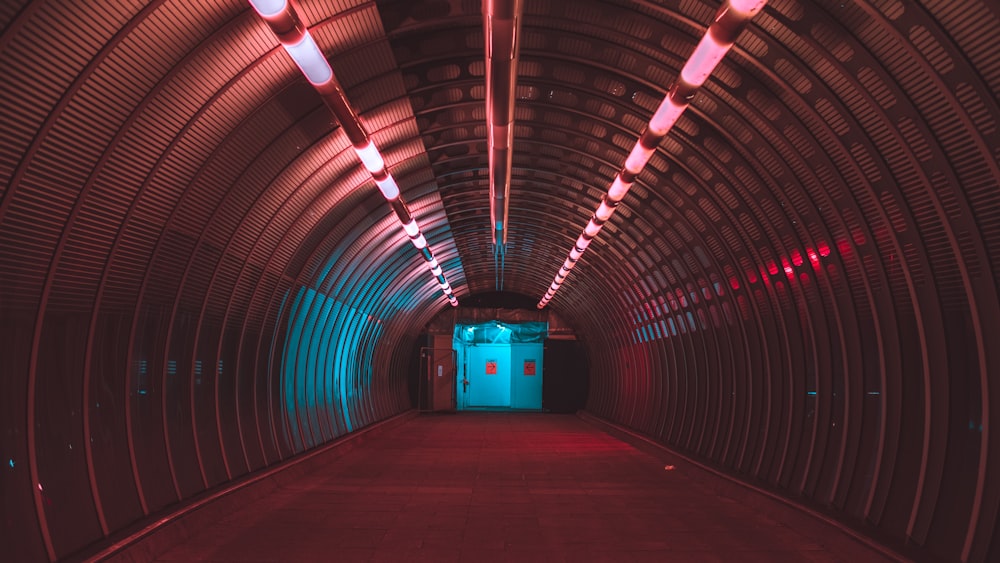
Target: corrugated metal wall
{"x":801,"y":288}
{"x":170,"y":185}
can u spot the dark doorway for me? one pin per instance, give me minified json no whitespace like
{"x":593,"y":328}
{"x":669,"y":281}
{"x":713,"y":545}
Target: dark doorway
{"x":567,"y":381}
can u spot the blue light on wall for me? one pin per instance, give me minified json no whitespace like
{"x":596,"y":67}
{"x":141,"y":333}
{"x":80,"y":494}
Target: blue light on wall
{"x":328,"y":351}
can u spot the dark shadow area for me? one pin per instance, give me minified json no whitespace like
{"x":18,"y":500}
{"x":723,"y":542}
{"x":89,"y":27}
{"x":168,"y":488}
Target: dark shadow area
{"x":567,"y":378}
{"x":500,"y":300}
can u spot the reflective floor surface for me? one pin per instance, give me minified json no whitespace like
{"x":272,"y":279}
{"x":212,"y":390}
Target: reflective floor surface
{"x":504,"y":487}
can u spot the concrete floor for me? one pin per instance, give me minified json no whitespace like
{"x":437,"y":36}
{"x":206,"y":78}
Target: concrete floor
{"x":501,"y":487}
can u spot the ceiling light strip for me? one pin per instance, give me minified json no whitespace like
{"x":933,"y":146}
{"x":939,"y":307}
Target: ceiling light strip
{"x":298,"y":43}
{"x":501,"y":27}
{"x":729,"y":21}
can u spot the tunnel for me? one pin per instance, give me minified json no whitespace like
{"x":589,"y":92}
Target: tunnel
{"x":216,"y":258}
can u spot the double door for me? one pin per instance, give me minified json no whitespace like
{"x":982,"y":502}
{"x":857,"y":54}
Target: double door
{"x":503,"y":375}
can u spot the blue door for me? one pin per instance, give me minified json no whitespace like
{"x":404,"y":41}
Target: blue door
{"x":526,"y":375}
{"x":488,"y":372}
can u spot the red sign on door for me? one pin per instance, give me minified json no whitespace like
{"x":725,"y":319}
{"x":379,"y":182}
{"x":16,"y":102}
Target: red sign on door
{"x":491,"y":367}
{"x":529,"y":367}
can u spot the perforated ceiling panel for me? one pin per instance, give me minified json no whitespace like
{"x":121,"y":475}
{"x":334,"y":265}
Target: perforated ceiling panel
{"x":199,"y":280}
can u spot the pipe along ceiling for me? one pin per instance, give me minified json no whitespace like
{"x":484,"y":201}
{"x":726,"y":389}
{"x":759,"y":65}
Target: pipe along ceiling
{"x":200,"y":279}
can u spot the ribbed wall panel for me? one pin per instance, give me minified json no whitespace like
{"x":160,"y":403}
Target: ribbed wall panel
{"x":900,"y":255}
{"x":198,"y":280}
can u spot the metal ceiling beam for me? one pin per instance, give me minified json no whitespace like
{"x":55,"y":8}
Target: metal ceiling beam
{"x":501,"y":29}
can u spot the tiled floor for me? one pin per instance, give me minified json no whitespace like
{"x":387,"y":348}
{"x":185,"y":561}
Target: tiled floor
{"x":499,"y":487}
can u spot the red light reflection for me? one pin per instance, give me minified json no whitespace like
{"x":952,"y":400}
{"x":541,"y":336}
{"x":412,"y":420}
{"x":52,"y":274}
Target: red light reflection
{"x":813,"y":257}
{"x":844,"y":246}
{"x":787,"y":267}
{"x":649,"y":316}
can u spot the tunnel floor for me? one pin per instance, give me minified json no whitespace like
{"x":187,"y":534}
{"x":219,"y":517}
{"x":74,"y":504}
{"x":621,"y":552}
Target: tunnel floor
{"x":500,"y":487}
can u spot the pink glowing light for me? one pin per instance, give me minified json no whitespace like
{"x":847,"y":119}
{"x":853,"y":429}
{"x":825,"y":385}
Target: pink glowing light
{"x":618,"y":189}
{"x":796,"y":257}
{"x":371,"y":158}
{"x":713,"y":46}
{"x":310,"y":60}
{"x":388,"y":187}
{"x":844,"y":246}
{"x":638,"y":158}
{"x":703,"y":61}
{"x":293,"y":34}
{"x":269,"y":8}
{"x":666,"y":115}
{"x":749,"y":7}
{"x":413,"y":230}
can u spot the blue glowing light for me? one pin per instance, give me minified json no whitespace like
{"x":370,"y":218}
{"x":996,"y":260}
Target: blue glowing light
{"x":810,"y":392}
{"x":11,"y":463}
{"x":323,"y":367}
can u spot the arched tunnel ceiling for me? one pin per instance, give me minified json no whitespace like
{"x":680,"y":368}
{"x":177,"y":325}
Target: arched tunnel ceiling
{"x":835,"y":179}
{"x":824,"y":119}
